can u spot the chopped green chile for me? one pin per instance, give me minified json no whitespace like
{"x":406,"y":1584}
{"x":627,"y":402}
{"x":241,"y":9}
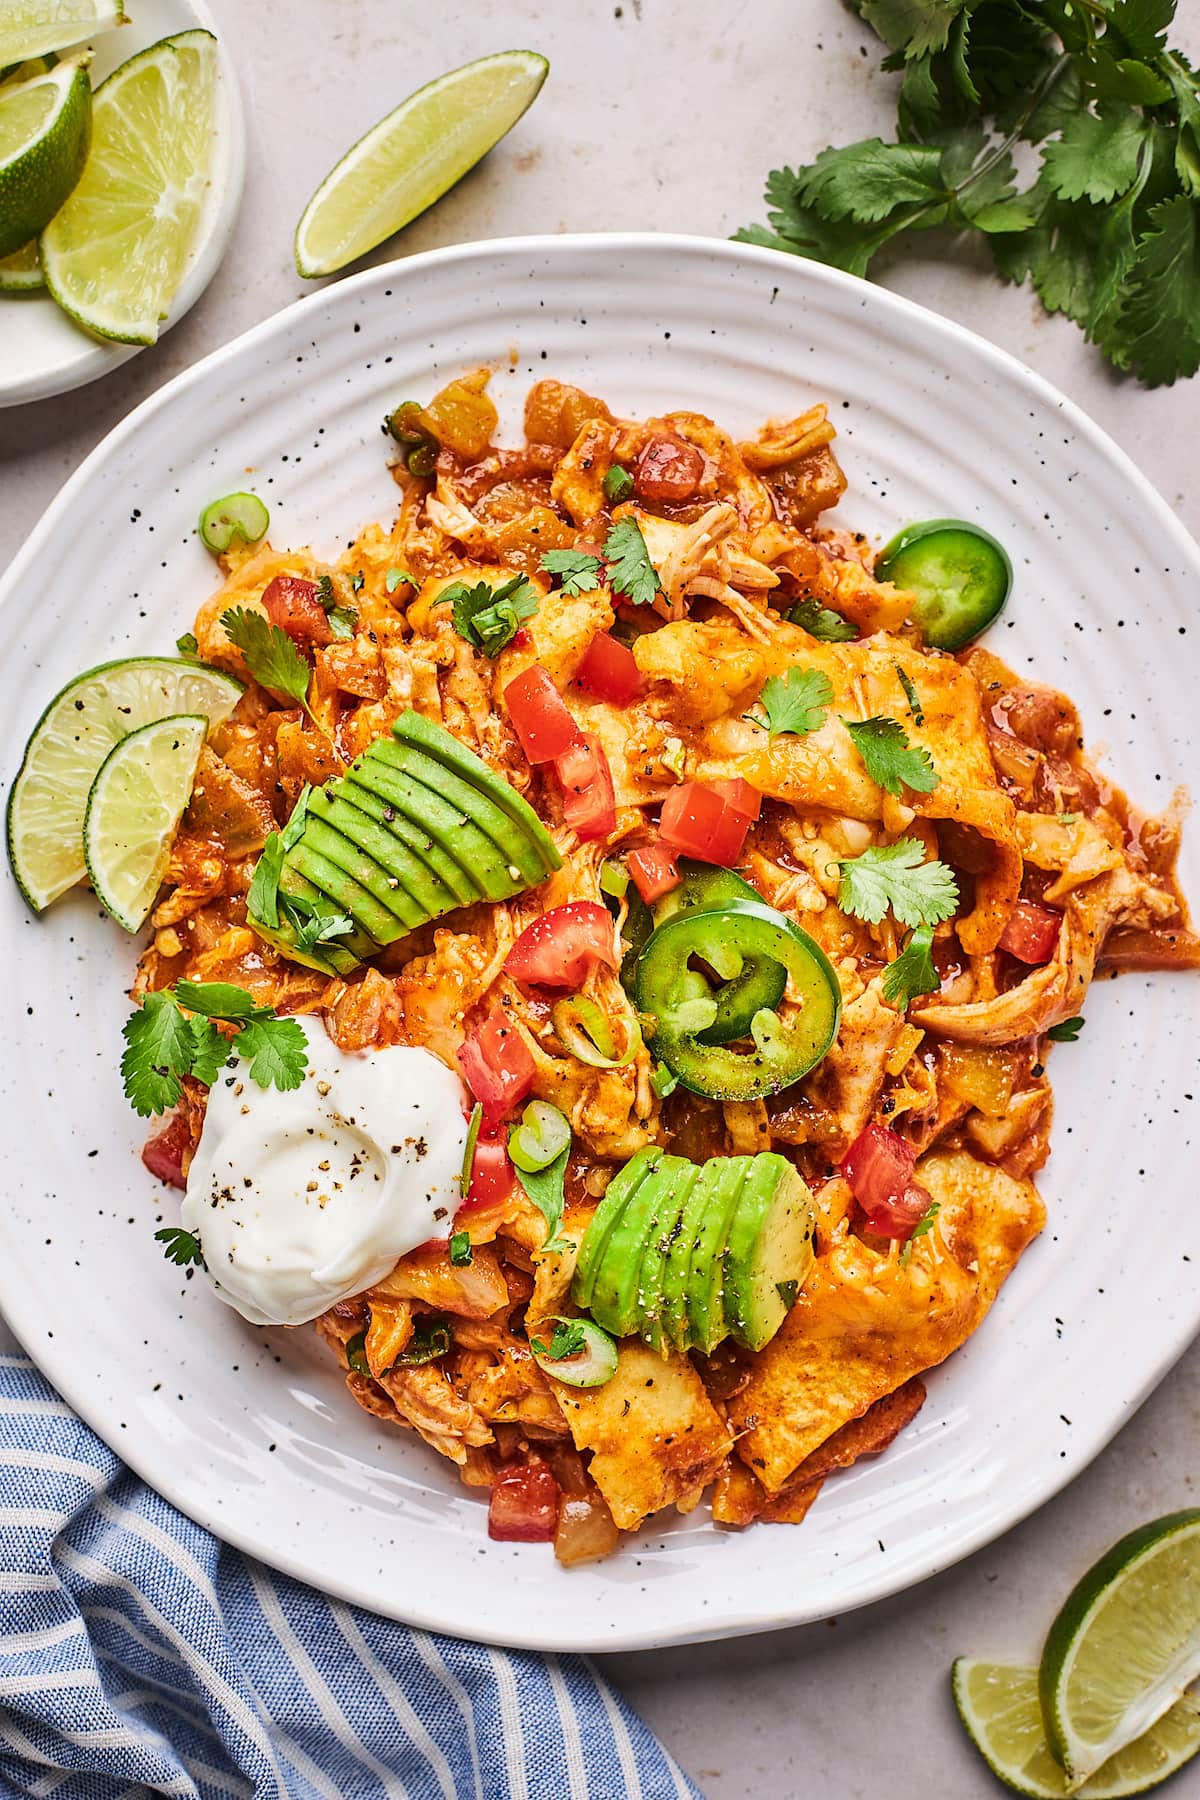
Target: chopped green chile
{"x":584,"y":1030}
{"x":590,"y":1367}
{"x":614,"y":879}
{"x":542,"y":1136}
{"x":738,"y":944}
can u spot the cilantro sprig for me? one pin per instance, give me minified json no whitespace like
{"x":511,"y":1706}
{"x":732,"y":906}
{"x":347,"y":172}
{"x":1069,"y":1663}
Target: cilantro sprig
{"x":490,"y":617}
{"x":578,"y":571}
{"x":797,"y":702}
{"x":888,"y":757}
{"x":912,"y":973}
{"x":630,"y":570}
{"x":174,"y":1033}
{"x":822,"y":622}
{"x":180,"y":1247}
{"x":897,"y":876}
{"x":1107,"y":231}
{"x":567,"y":1339}
{"x":1067,"y":1030}
{"x":343,"y":620}
{"x":271,"y":656}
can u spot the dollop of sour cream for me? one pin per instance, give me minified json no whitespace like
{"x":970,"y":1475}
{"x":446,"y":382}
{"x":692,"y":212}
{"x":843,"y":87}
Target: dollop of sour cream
{"x":305,"y":1196}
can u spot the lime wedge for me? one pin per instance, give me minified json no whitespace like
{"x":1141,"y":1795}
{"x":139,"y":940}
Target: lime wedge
{"x":21,"y":271}
{"x":1125,"y":1645}
{"x":114,"y":256}
{"x":31,"y":27}
{"x":45,"y":129}
{"x":70,"y":741}
{"x":133,"y":813}
{"x":409,"y":159}
{"x":1000,"y":1709}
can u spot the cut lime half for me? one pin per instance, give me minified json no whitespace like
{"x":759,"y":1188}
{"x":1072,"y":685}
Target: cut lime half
{"x":45,"y":129}
{"x":999,"y":1707}
{"x":114,"y":255}
{"x":48,"y":799}
{"x":21,"y":272}
{"x":33,"y":27}
{"x":1125,"y":1645}
{"x":133,"y":813}
{"x":412,"y":157}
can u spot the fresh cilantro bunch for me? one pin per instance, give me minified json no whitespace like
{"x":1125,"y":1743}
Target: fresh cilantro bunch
{"x":1107,"y":231}
{"x":174,"y":1033}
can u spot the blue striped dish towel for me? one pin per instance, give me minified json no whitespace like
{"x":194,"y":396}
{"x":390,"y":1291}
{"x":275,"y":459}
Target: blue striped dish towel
{"x":139,"y":1656}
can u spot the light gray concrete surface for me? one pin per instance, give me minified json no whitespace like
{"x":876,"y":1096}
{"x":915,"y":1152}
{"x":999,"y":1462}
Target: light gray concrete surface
{"x":667,"y":114}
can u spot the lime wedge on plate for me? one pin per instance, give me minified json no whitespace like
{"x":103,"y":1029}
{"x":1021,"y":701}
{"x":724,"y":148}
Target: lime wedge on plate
{"x":1125,"y":1644}
{"x":31,"y":27}
{"x":133,"y":813}
{"x":21,"y":272}
{"x":45,"y":129}
{"x":999,"y":1707}
{"x":70,"y":741}
{"x":114,"y":256}
{"x":409,"y":159}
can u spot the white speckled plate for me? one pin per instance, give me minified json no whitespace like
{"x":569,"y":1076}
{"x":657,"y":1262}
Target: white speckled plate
{"x":250,"y":1431}
{"x":44,"y":352}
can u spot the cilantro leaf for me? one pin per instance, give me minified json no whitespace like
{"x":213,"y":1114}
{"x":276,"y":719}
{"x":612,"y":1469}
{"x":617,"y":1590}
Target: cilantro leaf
{"x":394,"y":577}
{"x":579,"y":572}
{"x":180,"y":1246}
{"x":912,"y":973}
{"x":159,"y":1049}
{"x":211,"y":1051}
{"x":343,"y":620}
{"x":618,"y":485}
{"x":916,"y":27}
{"x":545,"y":1187}
{"x":262,"y":898}
{"x":1157,"y":330}
{"x":219,"y":1000}
{"x":888,"y":757}
{"x":276,"y":1050}
{"x":460,"y":1249}
{"x":313,"y":923}
{"x":1095,"y":157}
{"x":1142,"y":23}
{"x":822,"y":623}
{"x":271,"y":656}
{"x":490,"y":617}
{"x":923,"y":1226}
{"x":797,"y":702}
{"x":568,"y":1339}
{"x":897,"y":875}
{"x":1066,"y":1031}
{"x":868,"y":180}
{"x":630,"y":570}
{"x":428,"y":1341}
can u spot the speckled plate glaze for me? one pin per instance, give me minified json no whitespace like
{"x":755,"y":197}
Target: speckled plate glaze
{"x":250,"y":1431}
{"x":42,"y":351}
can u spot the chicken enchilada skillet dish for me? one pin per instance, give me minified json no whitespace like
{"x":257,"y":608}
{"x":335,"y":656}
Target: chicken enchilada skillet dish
{"x":606,"y":951}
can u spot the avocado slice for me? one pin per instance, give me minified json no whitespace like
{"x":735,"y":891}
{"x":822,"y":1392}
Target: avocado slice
{"x":413,"y":728}
{"x":617,"y":1279}
{"x":768,"y":1250}
{"x":599,"y":1227}
{"x":431,"y":874}
{"x":510,"y":861}
{"x":415,"y":888}
{"x":337,"y":848}
{"x":706,"y":1195}
{"x":651,"y":1279}
{"x":705,"y":1278}
{"x":438,"y":813}
{"x":346,"y":893}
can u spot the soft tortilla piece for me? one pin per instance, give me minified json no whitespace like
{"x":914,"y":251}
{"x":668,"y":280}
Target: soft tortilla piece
{"x":865,"y":1323}
{"x":655,"y":1436}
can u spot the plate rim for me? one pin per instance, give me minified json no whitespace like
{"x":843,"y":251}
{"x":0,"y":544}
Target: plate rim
{"x":58,"y":1367}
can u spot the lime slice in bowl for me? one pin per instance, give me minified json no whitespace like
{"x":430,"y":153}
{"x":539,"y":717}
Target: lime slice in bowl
{"x":1000,"y":1709}
{"x":1125,"y":1644}
{"x":45,"y":129}
{"x":32,"y":27}
{"x":114,"y":255}
{"x":21,"y":272}
{"x":47,"y":802}
{"x":412,"y":157}
{"x":133,"y":813}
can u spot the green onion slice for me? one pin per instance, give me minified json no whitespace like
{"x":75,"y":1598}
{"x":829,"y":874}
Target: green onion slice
{"x":585,"y":1031}
{"x":473,"y":1124}
{"x":236,"y":515}
{"x":541,"y":1137}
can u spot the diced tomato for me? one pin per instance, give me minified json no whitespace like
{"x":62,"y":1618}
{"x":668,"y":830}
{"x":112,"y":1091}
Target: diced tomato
{"x":741,"y":796}
{"x":563,"y":947}
{"x":1031,"y":934}
{"x":524,"y":1504}
{"x":541,"y":721}
{"x":164,"y":1154}
{"x":589,"y":804}
{"x":879,"y":1166}
{"x":492,"y":1174}
{"x":698,"y":821}
{"x":292,"y":604}
{"x":497,"y":1065}
{"x":667,"y":469}
{"x":654,"y":871}
{"x":609,"y":671}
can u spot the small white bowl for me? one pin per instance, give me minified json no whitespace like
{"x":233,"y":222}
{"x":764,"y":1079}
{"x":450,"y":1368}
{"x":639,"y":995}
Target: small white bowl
{"x":42,"y":351}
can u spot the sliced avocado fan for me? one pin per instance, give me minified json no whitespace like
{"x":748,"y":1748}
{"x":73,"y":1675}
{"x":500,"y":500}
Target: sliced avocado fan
{"x":417,"y":826}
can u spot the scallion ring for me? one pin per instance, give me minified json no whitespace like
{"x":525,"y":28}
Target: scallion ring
{"x":541,"y":1137}
{"x":585,"y":1031}
{"x":235,"y":515}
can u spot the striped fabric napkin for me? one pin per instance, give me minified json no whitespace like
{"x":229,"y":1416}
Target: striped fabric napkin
{"x":139,"y":1656}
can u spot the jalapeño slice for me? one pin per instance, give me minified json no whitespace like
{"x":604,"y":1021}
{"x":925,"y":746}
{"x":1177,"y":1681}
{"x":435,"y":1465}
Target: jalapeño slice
{"x":960,"y":575}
